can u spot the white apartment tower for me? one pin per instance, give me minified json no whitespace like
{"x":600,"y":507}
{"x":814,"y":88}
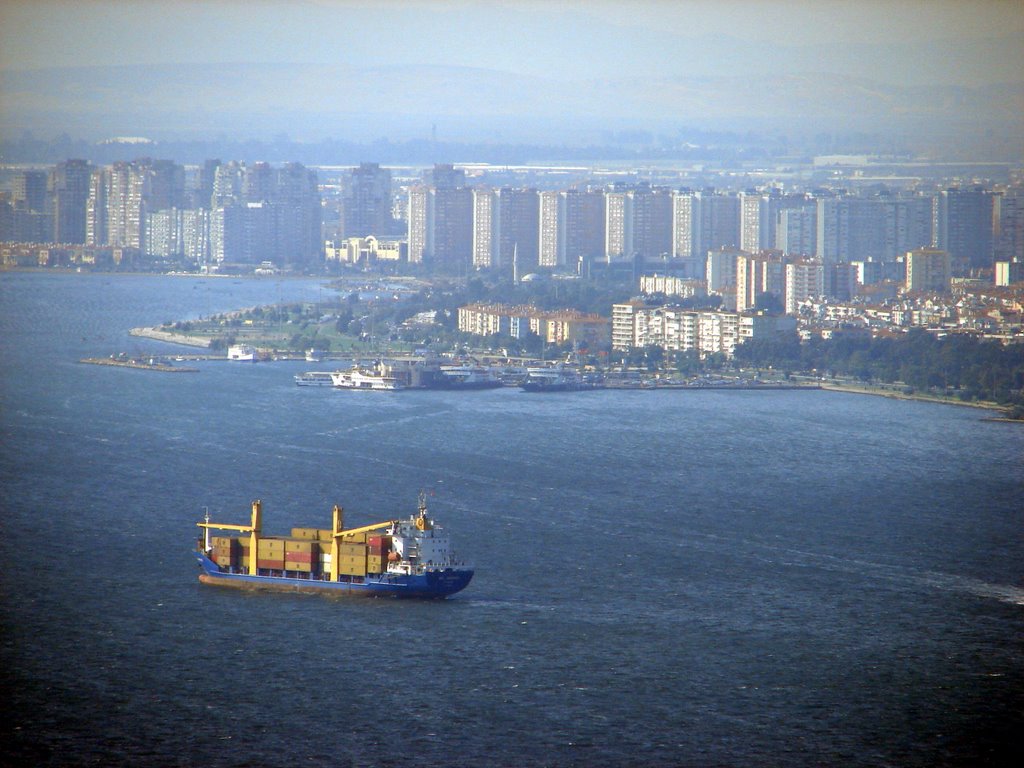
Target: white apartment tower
{"x":485,"y":221}
{"x":804,"y":280}
{"x":552,"y":215}
{"x":618,"y":226}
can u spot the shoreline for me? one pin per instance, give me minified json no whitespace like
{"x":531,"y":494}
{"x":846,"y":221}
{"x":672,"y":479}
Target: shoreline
{"x":170,"y":337}
{"x":857,"y":390}
{"x":197,"y":341}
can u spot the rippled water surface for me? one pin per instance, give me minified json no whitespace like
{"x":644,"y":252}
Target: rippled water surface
{"x":663,"y":578}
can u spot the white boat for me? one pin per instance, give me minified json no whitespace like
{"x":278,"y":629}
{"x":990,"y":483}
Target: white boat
{"x":242,"y":353}
{"x":358,"y":378}
{"x":468,"y":377}
{"x":315,"y":379}
{"x":559,"y":379}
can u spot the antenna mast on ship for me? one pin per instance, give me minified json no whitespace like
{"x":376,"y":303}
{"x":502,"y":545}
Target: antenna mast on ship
{"x":207,"y":529}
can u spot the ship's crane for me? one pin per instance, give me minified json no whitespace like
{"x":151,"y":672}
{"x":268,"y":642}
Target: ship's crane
{"x":253,"y":529}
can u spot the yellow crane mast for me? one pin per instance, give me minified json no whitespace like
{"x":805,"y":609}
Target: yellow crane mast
{"x":254,"y":529}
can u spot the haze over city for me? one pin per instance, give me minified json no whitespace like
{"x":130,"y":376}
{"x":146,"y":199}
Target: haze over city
{"x":555,"y":73}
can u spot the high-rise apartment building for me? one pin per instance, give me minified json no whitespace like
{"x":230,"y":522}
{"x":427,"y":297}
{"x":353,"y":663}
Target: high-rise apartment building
{"x":841,"y":281}
{"x":30,"y":191}
{"x":96,"y":208}
{"x":757,"y":274}
{"x":518,"y":230}
{"x":684,"y":235}
{"x":618,"y":225}
{"x":797,"y":230}
{"x":850,"y":229}
{"x":908,"y":224}
{"x":759,"y":216}
{"x":295,"y":196}
{"x":719,"y":222}
{"x":69,"y":191}
{"x":721,"y":269}
{"x":366,"y":201}
{"x":652,"y":221}
{"x":581,"y":226}
{"x":440,"y":221}
{"x":804,"y":280}
{"x":551,"y":213}
{"x":928,"y":269}
{"x":485,"y":243}
{"x":1010,"y":235}
{"x":418,"y":218}
{"x":703,"y":222}
{"x":963,"y":226}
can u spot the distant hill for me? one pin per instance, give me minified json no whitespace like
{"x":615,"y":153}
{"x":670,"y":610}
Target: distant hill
{"x":312,"y":102}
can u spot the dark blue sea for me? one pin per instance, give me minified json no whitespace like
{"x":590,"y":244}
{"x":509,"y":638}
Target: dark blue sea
{"x":663,"y":578}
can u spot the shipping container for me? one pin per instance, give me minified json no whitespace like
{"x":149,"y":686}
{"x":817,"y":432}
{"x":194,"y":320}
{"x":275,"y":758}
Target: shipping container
{"x":298,"y":557}
{"x":374,"y":564}
{"x":351,"y":550}
{"x":352,"y":566}
{"x":305,"y":533}
{"x":273,"y":548}
{"x":324,"y":535}
{"x":291,"y":565}
{"x":295,"y":545}
{"x":268,"y":563}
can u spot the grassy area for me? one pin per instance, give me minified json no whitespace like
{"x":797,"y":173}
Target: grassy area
{"x":290,"y":328}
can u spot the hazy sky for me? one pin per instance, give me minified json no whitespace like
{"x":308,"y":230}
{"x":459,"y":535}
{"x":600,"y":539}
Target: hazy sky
{"x":907,"y":42}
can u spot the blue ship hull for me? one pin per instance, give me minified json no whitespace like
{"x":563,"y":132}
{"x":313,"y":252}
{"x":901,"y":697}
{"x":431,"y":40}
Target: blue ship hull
{"x":429,"y":585}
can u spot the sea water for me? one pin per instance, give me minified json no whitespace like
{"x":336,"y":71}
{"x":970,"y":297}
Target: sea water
{"x":663,"y":578}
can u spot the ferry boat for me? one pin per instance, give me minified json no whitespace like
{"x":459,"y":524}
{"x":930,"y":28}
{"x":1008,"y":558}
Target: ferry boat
{"x":410,"y":558}
{"x":315,"y":379}
{"x":558,"y":379}
{"x":379,"y":378}
{"x":467,"y":377}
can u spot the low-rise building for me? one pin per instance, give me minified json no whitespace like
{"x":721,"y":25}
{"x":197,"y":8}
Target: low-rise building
{"x":557,"y":327}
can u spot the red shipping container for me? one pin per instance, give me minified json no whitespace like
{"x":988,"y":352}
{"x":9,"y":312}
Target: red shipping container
{"x":277,"y":564}
{"x":298,"y":557}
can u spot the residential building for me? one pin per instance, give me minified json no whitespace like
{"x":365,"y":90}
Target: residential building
{"x":518,"y":230}
{"x":581,"y":226}
{"x":551,"y":214}
{"x":69,"y":190}
{"x":963,"y":226}
{"x":366,"y":201}
{"x":440,"y":221}
{"x":618,"y":225}
{"x":797,"y":230}
{"x":757,"y":274}
{"x":721,"y":269}
{"x":928,"y":270}
{"x":652,"y":221}
{"x":671,"y":285}
{"x":805,"y":280}
{"x":485,"y":243}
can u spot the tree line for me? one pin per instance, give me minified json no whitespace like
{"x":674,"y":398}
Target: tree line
{"x":961,"y":365}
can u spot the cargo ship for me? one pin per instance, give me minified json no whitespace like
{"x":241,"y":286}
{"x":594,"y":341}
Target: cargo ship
{"x":410,"y":558}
